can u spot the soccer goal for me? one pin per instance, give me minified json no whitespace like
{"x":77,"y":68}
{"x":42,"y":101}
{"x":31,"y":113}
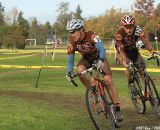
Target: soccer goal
{"x":31,"y":41}
{"x":51,"y":43}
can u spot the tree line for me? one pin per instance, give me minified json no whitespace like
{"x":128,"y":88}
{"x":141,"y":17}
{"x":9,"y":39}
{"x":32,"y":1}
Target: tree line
{"x":15,"y":29}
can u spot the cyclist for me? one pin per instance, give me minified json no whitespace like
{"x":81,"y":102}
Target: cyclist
{"x":91,"y":47}
{"x":126,"y":38}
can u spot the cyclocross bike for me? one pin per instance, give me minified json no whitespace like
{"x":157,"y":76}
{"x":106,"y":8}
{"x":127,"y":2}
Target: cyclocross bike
{"x":99,"y":103}
{"x":148,"y":92}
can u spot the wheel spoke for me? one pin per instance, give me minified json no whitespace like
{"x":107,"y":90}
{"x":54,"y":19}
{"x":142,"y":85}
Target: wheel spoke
{"x":138,"y":100}
{"x":98,"y":112}
{"x":154,"y":96}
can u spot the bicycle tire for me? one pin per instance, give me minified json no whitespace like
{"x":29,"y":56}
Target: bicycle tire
{"x":110,"y":100}
{"x":154,"y":97}
{"x":139,"y":100}
{"x":99,"y":121}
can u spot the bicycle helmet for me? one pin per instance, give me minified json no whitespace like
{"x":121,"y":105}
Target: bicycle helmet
{"x":127,"y":20}
{"x":74,"y":24}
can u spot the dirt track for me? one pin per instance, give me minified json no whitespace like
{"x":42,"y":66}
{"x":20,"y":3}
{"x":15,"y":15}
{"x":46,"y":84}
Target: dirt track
{"x":131,"y":119}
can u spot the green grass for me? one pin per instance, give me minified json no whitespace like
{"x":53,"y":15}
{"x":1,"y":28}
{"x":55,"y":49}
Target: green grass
{"x":55,"y":104}
{"x":20,"y":114}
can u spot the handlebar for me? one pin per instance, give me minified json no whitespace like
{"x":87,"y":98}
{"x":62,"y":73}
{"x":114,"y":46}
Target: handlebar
{"x":74,"y":83}
{"x":83,"y":72}
{"x":156,"y":58}
{"x":132,"y":66}
{"x":94,"y":67}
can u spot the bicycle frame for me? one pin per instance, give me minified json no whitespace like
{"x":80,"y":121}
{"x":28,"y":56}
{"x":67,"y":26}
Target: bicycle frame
{"x":95,"y":79}
{"x":102,"y":92}
{"x":146,"y":76}
{"x":145,"y":94}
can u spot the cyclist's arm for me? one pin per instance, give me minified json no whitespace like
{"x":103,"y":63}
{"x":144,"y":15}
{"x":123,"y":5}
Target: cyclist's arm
{"x":101,"y":49}
{"x":71,"y":53}
{"x":125,"y":59}
{"x":147,"y":44}
{"x":70,"y":64}
{"x":120,"y":49}
{"x":99,"y":45}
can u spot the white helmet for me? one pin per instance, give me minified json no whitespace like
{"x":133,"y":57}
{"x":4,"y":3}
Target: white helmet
{"x":74,"y":24}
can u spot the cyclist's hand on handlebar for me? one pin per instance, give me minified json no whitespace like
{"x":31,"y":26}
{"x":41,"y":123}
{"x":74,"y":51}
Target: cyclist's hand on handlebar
{"x":154,"y":54}
{"x":100,"y":64}
{"x":69,"y":76}
{"x":130,"y":67}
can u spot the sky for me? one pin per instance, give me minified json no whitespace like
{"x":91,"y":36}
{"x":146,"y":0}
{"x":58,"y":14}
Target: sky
{"x":46,"y":10}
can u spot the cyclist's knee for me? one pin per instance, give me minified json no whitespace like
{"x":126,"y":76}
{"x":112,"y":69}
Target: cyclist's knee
{"x":108,"y":79}
{"x":81,"y":68}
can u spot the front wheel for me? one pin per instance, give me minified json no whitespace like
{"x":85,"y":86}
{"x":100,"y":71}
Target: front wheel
{"x":99,"y":111}
{"x":138,"y":100}
{"x":154,"y":97}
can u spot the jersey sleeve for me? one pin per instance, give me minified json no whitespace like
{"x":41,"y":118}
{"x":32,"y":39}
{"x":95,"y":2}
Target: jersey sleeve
{"x":118,"y":37}
{"x":99,"y":46}
{"x":94,"y":37}
{"x":70,"y":48}
{"x":138,"y":31}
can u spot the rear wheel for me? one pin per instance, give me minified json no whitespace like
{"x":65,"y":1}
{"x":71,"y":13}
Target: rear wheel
{"x":99,"y":111}
{"x":154,"y":97}
{"x":138,"y":100}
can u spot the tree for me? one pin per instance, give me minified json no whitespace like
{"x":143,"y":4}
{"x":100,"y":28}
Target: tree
{"x":63,"y":17}
{"x":112,"y":22}
{"x":12,"y":16}
{"x":147,"y":16}
{"x":158,"y":9}
{"x":33,"y":28}
{"x":48,"y":29}
{"x":24,"y":29}
{"x":105,"y":26}
{"x":1,"y":14}
{"x":24,"y":25}
{"x":2,"y":28}
{"x":13,"y":36}
{"x":146,"y":7}
{"x":78,"y":13}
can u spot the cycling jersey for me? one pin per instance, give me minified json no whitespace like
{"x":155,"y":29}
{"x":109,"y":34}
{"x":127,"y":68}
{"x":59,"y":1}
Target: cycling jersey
{"x":90,"y":47}
{"x":129,"y":42}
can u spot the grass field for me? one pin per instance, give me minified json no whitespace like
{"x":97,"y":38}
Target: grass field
{"x":55,"y":104}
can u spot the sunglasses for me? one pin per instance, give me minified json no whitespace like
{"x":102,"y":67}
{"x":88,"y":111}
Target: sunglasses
{"x":128,"y":26}
{"x":73,"y":31}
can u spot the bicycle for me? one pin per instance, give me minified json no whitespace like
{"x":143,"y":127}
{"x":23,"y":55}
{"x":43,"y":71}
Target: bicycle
{"x":99,"y":103}
{"x":149,"y":93}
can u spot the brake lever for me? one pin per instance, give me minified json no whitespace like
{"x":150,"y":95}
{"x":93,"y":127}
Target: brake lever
{"x":156,"y":58}
{"x":157,"y":61}
{"x":74,"y":83}
{"x":151,"y":58}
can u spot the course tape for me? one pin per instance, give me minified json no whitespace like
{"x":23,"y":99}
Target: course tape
{"x":55,"y":50}
{"x":15,"y":57}
{"x":143,"y":52}
{"x":63,"y":67}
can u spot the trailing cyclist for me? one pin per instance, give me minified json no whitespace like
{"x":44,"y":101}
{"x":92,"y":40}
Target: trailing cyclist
{"x":91,"y":47}
{"x":126,"y":38}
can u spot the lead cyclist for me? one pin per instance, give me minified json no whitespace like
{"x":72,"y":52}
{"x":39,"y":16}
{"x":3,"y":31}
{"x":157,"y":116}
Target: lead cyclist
{"x":91,"y":48}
